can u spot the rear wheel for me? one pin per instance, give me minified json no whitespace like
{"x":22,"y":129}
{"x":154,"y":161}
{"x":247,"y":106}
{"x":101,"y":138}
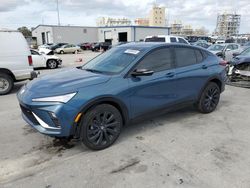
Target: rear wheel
{"x":6,"y":83}
{"x":101,"y":126}
{"x":61,"y":52}
{"x":52,"y":64}
{"x":209,"y":98}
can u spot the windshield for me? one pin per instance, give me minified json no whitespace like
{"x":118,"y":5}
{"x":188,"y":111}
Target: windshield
{"x":216,"y":47}
{"x":113,"y":61}
{"x":246,"y":52}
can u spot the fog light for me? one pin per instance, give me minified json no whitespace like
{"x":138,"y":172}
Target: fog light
{"x":54,"y":119}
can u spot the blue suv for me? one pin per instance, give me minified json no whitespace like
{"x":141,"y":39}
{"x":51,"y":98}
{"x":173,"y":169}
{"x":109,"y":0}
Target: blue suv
{"x":94,"y":101}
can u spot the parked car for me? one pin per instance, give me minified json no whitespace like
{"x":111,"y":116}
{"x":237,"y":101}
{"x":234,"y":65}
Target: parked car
{"x":15,"y":60}
{"x":68,"y":48}
{"x":101,"y":46}
{"x":46,"y":59}
{"x":57,"y":45}
{"x":166,"y":39}
{"x":85,"y":46}
{"x":220,"y":41}
{"x":92,"y":102}
{"x":225,"y":50}
{"x":45,"y":46}
{"x":202,"y":44}
{"x":239,"y":68}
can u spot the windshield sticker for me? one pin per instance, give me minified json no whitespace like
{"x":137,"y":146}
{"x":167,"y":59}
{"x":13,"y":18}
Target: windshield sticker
{"x":134,"y":52}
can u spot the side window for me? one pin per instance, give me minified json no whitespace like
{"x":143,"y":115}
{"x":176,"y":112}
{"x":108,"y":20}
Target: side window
{"x":34,"y":52}
{"x":184,"y":56}
{"x":230,"y":47}
{"x":158,"y":60}
{"x":235,"y":47}
{"x":172,"y":39}
{"x":181,"y":40}
{"x":199,"y":56}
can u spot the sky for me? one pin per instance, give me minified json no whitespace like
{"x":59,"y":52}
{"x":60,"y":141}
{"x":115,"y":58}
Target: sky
{"x":198,"y":13}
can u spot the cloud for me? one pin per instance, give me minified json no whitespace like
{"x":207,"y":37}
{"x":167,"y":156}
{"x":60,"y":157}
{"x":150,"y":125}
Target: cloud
{"x":15,"y":13}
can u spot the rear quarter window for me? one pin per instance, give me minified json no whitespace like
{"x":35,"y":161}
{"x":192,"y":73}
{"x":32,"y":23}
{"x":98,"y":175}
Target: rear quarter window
{"x":184,"y":56}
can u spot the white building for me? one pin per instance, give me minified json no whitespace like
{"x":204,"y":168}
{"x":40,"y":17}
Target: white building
{"x":69,"y":34}
{"x":78,"y":34}
{"x":129,"y":33}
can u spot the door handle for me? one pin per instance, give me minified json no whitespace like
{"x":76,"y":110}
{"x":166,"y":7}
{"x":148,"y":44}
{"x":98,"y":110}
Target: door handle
{"x":204,"y":67}
{"x":170,"y":74}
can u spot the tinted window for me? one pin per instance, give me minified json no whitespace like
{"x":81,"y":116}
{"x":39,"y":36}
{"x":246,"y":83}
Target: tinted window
{"x":158,"y":60}
{"x":235,"y":46}
{"x":155,"y":39}
{"x":199,"y":56}
{"x":230,"y":47}
{"x":172,"y":39}
{"x":185,"y":57}
{"x":182,"y":41}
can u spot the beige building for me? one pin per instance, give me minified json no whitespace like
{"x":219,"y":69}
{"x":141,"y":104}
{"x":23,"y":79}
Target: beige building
{"x":142,"y":21}
{"x":157,"y":16}
{"x":176,"y":27}
{"x":187,"y":30}
{"x":107,"y":21}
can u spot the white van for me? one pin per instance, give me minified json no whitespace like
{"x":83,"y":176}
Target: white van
{"x":166,"y":39}
{"x":15,"y":60}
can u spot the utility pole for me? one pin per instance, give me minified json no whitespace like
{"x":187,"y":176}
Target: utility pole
{"x":58,"y":16}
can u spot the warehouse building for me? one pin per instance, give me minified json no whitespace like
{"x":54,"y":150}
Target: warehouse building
{"x":129,"y":33}
{"x":79,"y":34}
{"x":70,"y":34}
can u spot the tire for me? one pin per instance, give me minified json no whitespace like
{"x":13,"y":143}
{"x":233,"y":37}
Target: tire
{"x":52,"y":64}
{"x":6,"y":83}
{"x":61,"y":52}
{"x":98,"y":132}
{"x":209,"y":98}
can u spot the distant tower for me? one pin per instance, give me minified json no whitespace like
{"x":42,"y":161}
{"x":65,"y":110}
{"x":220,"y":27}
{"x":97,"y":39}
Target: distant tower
{"x":228,"y":24}
{"x":157,"y":16}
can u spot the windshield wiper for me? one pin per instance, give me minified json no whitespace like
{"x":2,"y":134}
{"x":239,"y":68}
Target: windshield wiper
{"x":93,"y":70}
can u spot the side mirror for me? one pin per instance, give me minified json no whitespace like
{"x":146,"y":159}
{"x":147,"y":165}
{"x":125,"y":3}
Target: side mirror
{"x":236,"y":54}
{"x":142,"y":72}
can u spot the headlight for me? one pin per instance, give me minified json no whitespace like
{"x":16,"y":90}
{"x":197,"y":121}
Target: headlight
{"x":60,"y":98}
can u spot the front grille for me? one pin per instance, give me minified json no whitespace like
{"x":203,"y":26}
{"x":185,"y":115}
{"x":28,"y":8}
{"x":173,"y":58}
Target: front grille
{"x":29,"y":115}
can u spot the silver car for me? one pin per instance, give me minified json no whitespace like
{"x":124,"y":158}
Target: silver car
{"x":68,"y":48}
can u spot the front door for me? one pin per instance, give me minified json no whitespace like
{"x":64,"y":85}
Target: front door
{"x":149,"y":93}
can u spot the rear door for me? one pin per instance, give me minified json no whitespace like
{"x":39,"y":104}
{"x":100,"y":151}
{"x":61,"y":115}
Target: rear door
{"x":149,"y":93}
{"x":191,"y":71}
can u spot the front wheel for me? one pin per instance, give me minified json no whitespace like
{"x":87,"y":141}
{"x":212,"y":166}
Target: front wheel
{"x":6,"y":83}
{"x":209,"y":98}
{"x":52,"y":64}
{"x":101,"y":126}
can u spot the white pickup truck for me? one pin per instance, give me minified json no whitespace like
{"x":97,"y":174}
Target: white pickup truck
{"x":15,"y":60}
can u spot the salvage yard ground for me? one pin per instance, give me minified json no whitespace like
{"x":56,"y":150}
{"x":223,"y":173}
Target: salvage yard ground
{"x":179,"y":149}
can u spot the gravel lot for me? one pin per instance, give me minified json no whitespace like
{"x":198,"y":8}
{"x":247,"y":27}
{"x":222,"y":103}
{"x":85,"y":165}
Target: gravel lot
{"x":179,"y":149}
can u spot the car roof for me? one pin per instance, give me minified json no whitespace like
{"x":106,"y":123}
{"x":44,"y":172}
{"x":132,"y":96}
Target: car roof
{"x":148,"y":45}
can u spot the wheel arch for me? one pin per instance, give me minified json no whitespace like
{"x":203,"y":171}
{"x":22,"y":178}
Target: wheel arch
{"x":7,"y":71}
{"x":108,"y":100}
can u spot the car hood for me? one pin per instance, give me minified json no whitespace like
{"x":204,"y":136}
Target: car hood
{"x":69,"y":80}
{"x":240,"y":59}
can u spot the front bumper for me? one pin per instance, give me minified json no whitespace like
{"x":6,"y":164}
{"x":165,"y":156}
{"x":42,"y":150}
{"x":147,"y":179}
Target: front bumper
{"x":52,"y":119}
{"x":59,"y":61}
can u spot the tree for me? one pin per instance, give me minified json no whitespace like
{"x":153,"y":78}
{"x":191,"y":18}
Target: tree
{"x":25,"y":31}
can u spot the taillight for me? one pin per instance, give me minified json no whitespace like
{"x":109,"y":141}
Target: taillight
{"x":30,"y":60}
{"x":223,"y":63}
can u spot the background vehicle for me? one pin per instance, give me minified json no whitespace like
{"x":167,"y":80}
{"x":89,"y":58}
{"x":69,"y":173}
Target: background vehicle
{"x":201,"y":43}
{"x":225,"y":50}
{"x":46,"y":59}
{"x":101,"y":46}
{"x":15,"y":60}
{"x":45,"y":46}
{"x":85,"y":46}
{"x":127,"y":82}
{"x":57,"y":45}
{"x":193,"y":39}
{"x":68,"y":48}
{"x":239,"y":68}
{"x":166,"y":39}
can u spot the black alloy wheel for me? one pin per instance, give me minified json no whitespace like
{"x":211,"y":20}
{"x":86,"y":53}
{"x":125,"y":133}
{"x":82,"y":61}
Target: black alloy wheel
{"x":101,"y":126}
{"x":209,"y":98}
